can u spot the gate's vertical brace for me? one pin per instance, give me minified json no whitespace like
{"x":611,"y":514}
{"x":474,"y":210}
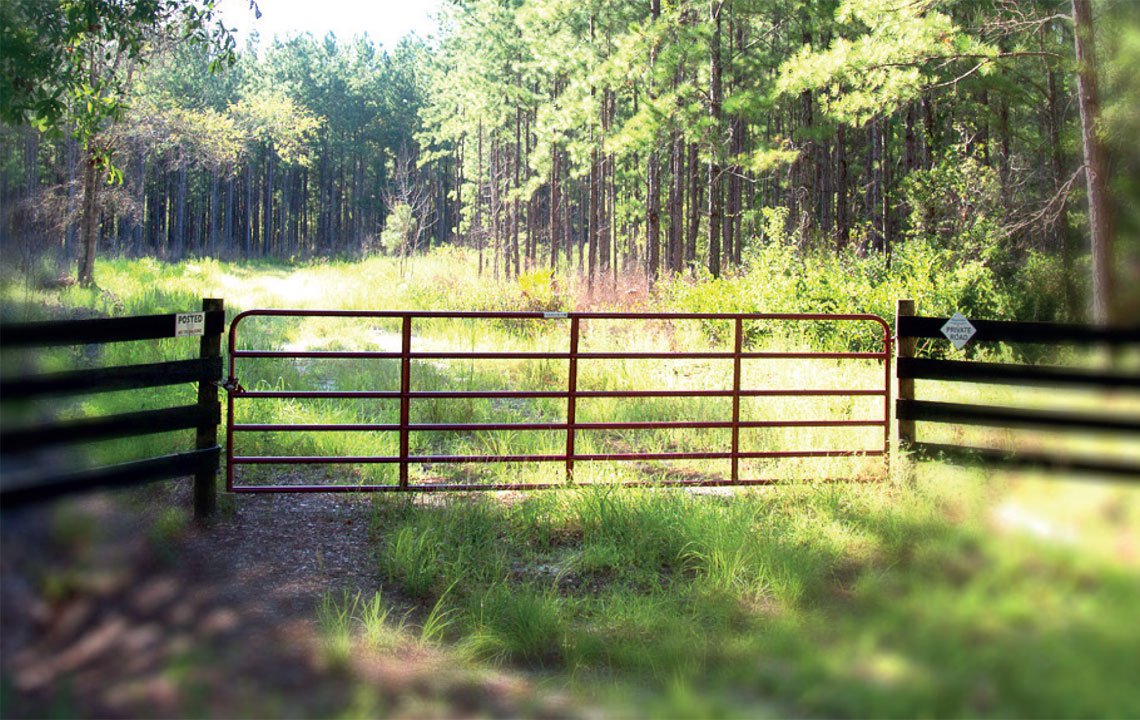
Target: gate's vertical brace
{"x":405,"y":396}
{"x":230,"y":428}
{"x":205,"y":482}
{"x":233,"y":388}
{"x":737,"y":349}
{"x":571,"y":399}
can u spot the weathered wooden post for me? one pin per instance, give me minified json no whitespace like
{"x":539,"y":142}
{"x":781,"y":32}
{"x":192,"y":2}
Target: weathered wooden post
{"x":906,"y":346}
{"x":205,"y":482}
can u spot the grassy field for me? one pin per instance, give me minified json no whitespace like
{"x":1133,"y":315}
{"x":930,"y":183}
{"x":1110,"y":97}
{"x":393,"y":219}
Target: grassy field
{"x":938,"y":591}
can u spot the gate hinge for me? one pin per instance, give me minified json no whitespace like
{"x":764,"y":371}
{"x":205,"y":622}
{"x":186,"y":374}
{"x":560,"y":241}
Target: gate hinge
{"x":232,"y":385}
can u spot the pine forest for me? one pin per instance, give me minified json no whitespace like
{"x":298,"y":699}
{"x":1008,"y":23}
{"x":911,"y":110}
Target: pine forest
{"x":612,"y":139}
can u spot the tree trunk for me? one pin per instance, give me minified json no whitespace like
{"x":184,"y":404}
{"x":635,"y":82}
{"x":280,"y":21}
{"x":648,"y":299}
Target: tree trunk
{"x":676,"y":205}
{"x":875,"y":191}
{"x":90,"y":229}
{"x":247,"y":232}
{"x":694,"y":227}
{"x":842,"y":209}
{"x":516,"y":162}
{"x":479,"y":234}
{"x":715,"y":206}
{"x":180,"y":215}
{"x":554,"y":211}
{"x":1096,"y":166}
{"x":592,"y":221}
{"x":653,"y":216}
{"x":653,"y":170}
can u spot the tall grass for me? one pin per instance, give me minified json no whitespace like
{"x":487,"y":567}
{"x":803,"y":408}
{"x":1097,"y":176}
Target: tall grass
{"x":859,"y":600}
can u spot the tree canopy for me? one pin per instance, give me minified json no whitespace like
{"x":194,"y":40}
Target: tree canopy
{"x":653,"y":138}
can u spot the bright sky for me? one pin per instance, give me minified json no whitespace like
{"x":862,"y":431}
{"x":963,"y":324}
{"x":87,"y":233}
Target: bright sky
{"x":385,"y":21}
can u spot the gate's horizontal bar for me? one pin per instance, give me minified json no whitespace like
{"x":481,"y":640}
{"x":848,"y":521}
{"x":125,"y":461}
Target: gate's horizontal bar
{"x":363,"y":460}
{"x":323,"y":427}
{"x":548,"y":394}
{"x":316,"y":394}
{"x":812,"y":393}
{"x":472,"y":427}
{"x":507,"y":487}
{"x":528,"y":315}
{"x":584,"y":457}
{"x":810,"y":423}
{"x":776,"y":454}
{"x":318,"y":354}
{"x":731,"y":356}
{"x":715,"y":355}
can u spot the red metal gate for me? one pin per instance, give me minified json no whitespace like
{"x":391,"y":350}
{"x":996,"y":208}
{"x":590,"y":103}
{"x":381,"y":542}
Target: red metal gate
{"x":406,"y":395}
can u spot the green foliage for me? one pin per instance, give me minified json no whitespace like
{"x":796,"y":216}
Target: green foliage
{"x":957,"y":205}
{"x":279,"y":123}
{"x":66,"y":63}
{"x":399,"y":230}
{"x":540,"y":291}
{"x":778,"y":278}
{"x":897,"y":50}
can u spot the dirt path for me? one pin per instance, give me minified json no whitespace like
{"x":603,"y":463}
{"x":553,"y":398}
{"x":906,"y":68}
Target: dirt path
{"x":110,"y":608}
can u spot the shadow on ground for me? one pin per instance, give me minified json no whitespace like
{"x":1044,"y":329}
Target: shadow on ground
{"x":111,"y":609}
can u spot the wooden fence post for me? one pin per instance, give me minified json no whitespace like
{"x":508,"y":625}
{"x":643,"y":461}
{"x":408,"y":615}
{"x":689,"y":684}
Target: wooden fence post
{"x":205,"y":483}
{"x":905,"y":349}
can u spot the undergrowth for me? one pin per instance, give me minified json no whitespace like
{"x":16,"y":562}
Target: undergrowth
{"x":830,"y":600}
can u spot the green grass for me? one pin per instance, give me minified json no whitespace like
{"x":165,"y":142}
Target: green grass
{"x":838,"y":600}
{"x":939,"y":591}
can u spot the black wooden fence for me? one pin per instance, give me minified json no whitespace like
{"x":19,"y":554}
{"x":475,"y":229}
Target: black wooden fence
{"x":25,"y":479}
{"x":909,"y":410}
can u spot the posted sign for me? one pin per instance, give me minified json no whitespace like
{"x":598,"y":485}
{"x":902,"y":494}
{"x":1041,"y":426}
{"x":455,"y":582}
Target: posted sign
{"x":958,"y":330}
{"x":190,"y":324}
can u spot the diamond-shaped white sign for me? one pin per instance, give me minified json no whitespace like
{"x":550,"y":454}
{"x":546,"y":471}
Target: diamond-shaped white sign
{"x":959,"y":330}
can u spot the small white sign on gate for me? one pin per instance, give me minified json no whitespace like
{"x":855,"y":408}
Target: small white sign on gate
{"x":958,"y":330}
{"x":190,"y":324}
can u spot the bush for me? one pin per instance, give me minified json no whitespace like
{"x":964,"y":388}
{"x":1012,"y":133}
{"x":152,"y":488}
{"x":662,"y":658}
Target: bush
{"x":779,"y":279}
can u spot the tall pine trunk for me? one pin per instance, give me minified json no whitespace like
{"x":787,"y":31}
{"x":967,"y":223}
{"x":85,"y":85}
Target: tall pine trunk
{"x":715,"y":205}
{"x":1096,"y":165}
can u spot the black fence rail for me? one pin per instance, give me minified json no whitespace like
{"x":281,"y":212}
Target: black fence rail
{"x":1123,"y":384}
{"x":25,"y":479}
